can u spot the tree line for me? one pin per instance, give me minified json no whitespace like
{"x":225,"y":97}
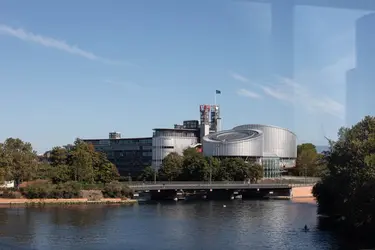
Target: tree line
{"x":346,"y":191}
{"x":194,"y":166}
{"x":67,"y":170}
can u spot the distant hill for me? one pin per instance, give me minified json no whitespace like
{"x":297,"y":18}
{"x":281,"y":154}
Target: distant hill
{"x":322,"y":148}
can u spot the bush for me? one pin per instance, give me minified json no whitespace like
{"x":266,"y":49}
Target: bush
{"x":91,"y":195}
{"x":116,"y":190}
{"x":10,"y":194}
{"x":54,"y":191}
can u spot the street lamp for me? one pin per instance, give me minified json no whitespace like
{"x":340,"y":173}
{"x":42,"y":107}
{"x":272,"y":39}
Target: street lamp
{"x":155,"y":175}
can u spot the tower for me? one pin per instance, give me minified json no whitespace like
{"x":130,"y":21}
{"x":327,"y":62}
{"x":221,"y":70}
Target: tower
{"x":215,"y":119}
{"x":204,"y":119}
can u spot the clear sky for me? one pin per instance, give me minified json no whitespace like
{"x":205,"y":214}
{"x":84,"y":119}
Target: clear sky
{"x":83,"y":68}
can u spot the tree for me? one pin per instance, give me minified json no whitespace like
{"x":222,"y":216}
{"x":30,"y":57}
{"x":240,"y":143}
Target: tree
{"x":348,"y":187}
{"x":194,"y":166}
{"x":233,"y":169}
{"x":255,"y":172}
{"x":104,"y":170}
{"x":62,"y":174}
{"x":309,"y":162}
{"x":18,"y":160}
{"x":213,"y":167}
{"x":171,"y":167}
{"x":58,"y":156}
{"x":82,"y":162}
{"x":44,"y":171}
{"x":148,"y":174}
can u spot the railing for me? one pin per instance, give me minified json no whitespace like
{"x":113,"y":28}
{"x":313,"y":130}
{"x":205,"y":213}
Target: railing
{"x":303,"y":181}
{"x":213,"y":185}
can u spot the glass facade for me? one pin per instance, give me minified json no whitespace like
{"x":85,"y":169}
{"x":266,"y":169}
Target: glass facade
{"x":130,"y":155}
{"x":271,"y":167}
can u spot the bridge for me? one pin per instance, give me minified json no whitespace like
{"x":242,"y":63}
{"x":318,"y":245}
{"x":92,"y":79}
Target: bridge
{"x":183,"y":189}
{"x":213,"y":185}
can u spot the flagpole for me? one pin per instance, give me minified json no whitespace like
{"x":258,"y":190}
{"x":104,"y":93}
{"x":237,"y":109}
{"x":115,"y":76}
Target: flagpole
{"x":215,"y":97}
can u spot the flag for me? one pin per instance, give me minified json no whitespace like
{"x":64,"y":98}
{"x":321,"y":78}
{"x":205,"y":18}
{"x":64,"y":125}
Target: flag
{"x":218,"y":92}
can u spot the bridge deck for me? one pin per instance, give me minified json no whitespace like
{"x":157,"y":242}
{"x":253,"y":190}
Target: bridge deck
{"x":199,"y":186}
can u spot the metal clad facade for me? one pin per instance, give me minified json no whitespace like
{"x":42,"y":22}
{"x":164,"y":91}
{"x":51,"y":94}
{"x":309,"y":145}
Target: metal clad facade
{"x":164,"y":145}
{"x":279,"y":141}
{"x":246,"y":147}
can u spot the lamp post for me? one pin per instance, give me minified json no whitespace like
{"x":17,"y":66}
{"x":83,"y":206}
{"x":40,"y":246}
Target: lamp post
{"x":154,"y":175}
{"x":210,"y":171}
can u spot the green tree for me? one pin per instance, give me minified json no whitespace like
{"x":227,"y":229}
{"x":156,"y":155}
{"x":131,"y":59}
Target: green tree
{"x":82,"y":162}
{"x":58,"y":156}
{"x":309,"y":162}
{"x":44,"y":171}
{"x":148,"y":174}
{"x":105,"y":171}
{"x":171,"y":167}
{"x":255,"y":172}
{"x":18,"y":160}
{"x":233,"y":169}
{"x":213,"y":168}
{"x":348,"y":187}
{"x":194,"y":166}
{"x":62,"y":174}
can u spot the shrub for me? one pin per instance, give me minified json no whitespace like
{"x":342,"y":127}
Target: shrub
{"x":55,"y":191}
{"x":116,"y":190}
{"x":10,"y":194}
{"x":91,"y":195}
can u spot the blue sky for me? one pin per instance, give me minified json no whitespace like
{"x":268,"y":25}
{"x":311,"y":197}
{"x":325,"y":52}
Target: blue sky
{"x":83,"y":68}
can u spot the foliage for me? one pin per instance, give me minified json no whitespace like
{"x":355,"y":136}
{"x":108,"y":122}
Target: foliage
{"x":148,"y":174}
{"x":348,"y":188}
{"x":18,"y":160}
{"x":116,"y":190}
{"x":309,"y":161}
{"x":171,"y":167}
{"x":67,"y":171}
{"x":49,"y":190}
{"x":193,"y":166}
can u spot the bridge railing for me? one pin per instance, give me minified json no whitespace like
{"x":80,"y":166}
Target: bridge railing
{"x":301,"y":181}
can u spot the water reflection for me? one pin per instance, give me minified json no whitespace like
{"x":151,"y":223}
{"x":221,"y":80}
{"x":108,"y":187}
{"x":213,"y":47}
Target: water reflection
{"x":181,"y":225}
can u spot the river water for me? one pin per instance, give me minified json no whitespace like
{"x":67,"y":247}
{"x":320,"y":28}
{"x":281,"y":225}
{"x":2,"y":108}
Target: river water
{"x":174,"y":225}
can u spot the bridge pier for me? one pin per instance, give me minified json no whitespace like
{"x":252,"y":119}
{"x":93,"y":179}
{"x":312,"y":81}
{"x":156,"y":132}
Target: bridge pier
{"x":163,"y":194}
{"x":220,"y":194}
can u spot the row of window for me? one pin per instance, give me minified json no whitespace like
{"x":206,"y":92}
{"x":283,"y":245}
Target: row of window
{"x":174,"y":134}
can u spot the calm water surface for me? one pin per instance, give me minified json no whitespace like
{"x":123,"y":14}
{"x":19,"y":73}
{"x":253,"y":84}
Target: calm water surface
{"x":181,"y":225}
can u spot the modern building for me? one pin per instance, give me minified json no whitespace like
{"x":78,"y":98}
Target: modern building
{"x":130,"y":155}
{"x":273,"y":147}
{"x":189,"y":134}
{"x":166,"y":141}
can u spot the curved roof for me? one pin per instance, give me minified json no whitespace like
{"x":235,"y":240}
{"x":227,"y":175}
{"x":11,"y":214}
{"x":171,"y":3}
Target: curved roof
{"x":233,"y":135}
{"x":240,"y":127}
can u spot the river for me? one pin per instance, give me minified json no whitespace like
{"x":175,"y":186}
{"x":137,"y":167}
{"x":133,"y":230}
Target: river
{"x":162,"y":226}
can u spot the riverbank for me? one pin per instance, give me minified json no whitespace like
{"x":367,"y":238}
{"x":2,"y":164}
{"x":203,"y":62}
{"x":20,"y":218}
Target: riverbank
{"x":23,"y":201}
{"x":308,"y":200}
{"x":303,"y":195}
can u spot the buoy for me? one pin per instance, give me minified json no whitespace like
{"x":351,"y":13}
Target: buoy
{"x":224,"y":205}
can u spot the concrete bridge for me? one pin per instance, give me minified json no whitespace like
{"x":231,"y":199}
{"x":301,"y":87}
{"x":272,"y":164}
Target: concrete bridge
{"x":219,"y":190}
